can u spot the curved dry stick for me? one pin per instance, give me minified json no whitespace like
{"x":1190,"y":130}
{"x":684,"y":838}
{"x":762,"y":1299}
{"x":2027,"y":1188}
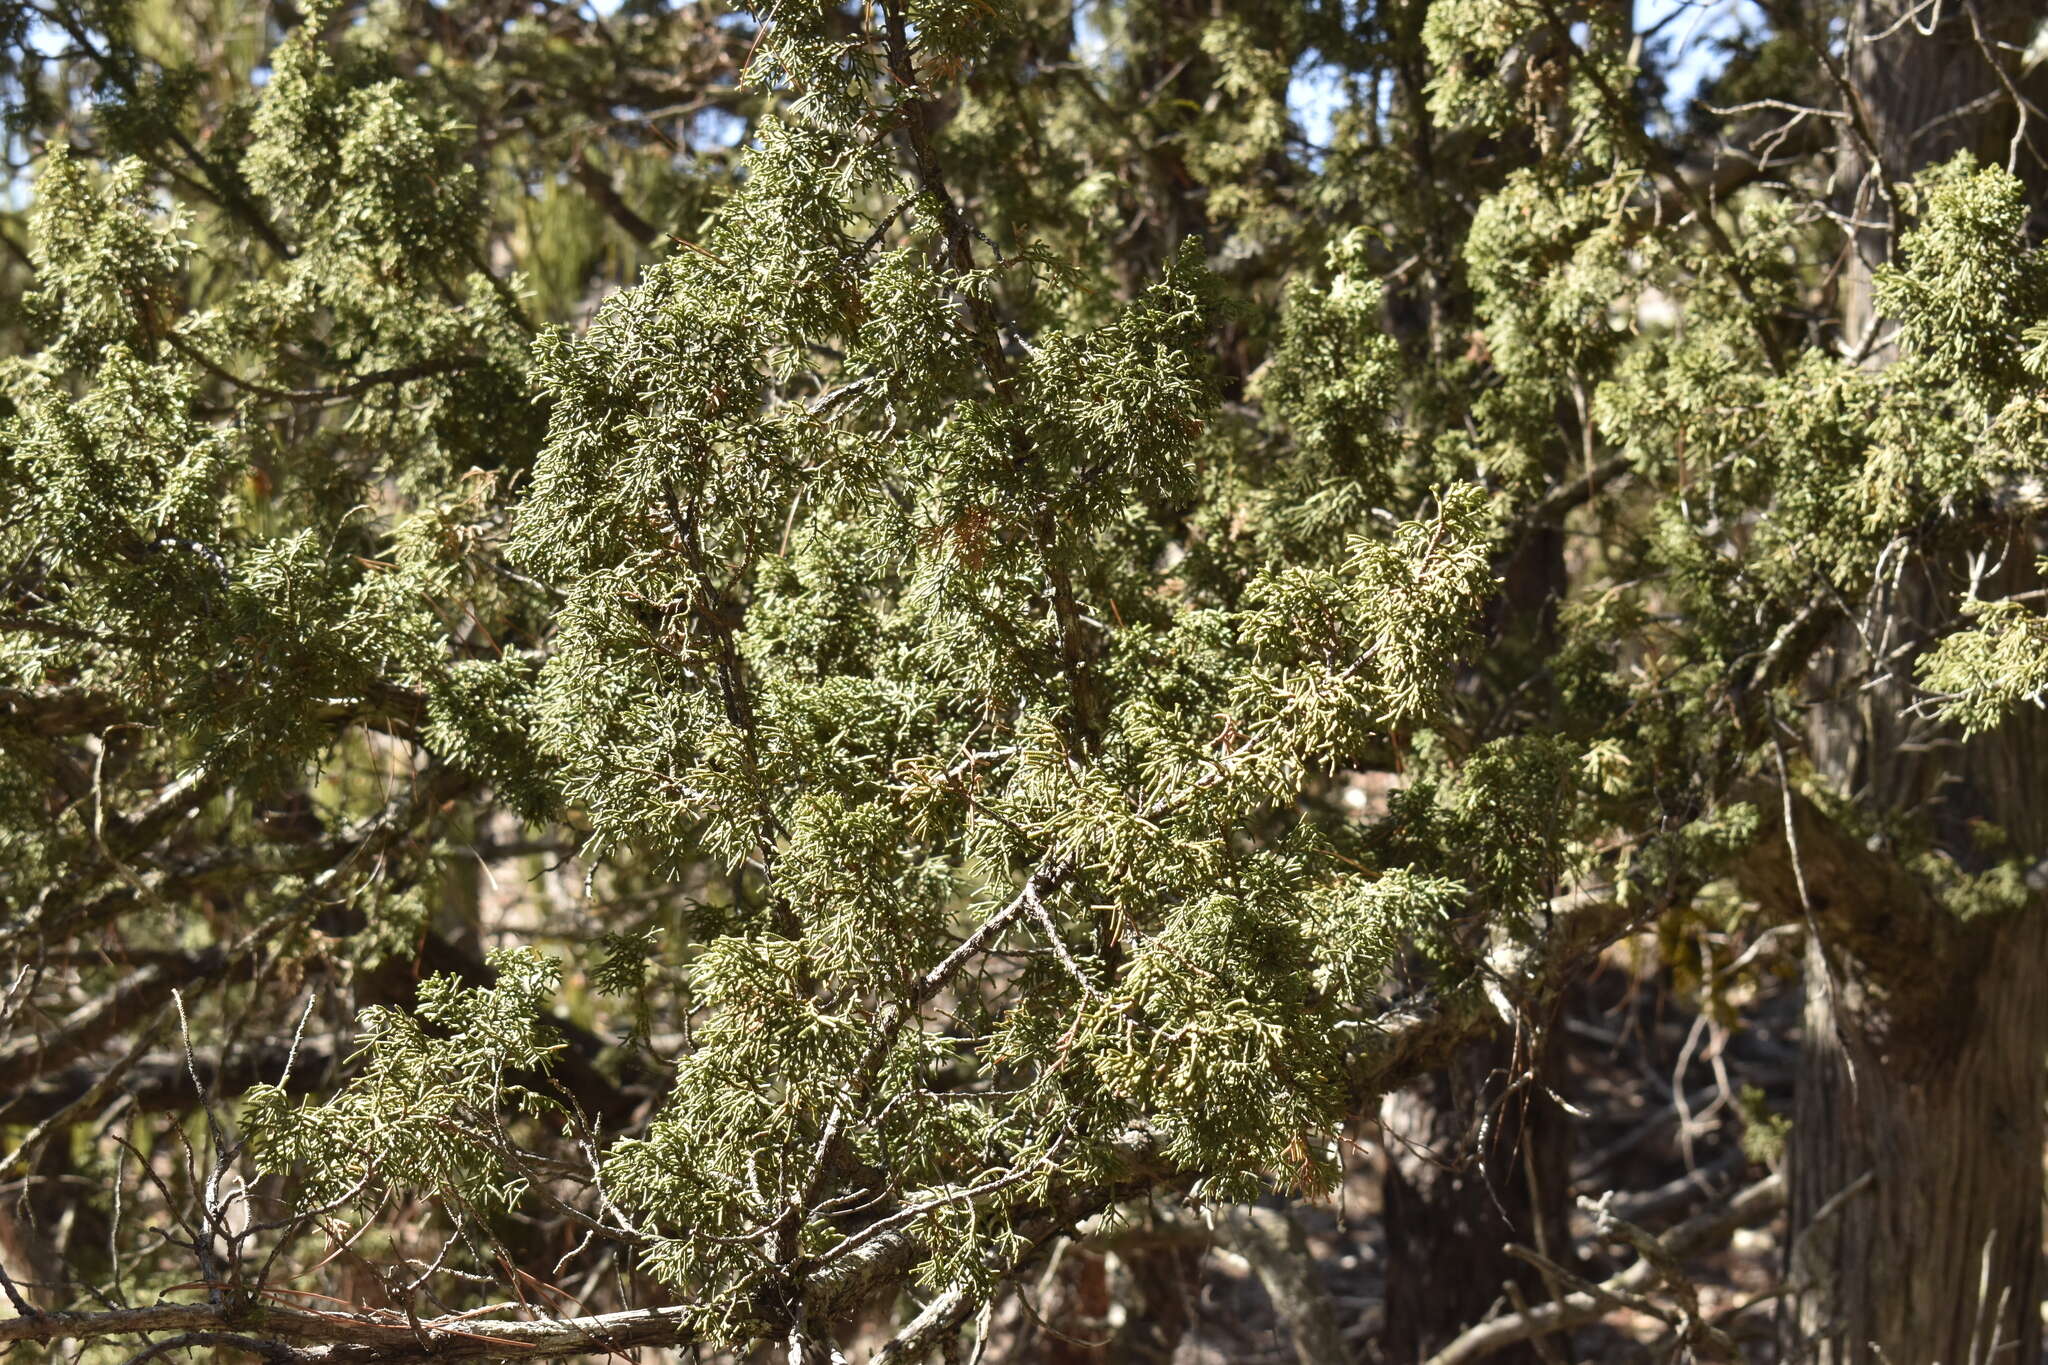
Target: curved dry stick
{"x":1754,"y":1204}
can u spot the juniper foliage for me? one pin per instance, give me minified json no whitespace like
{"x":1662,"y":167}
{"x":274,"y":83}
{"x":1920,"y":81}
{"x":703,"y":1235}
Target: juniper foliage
{"x":791,"y":783}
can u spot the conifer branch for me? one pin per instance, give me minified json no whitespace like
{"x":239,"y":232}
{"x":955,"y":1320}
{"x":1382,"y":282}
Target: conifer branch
{"x":829,"y":1292}
{"x":902,"y":754}
{"x":222,"y":184}
{"x":1566,"y":497}
{"x":60,"y":710}
{"x":336,"y":393}
{"x":987,"y":333}
{"x":599,"y":187}
{"x":141,"y":994}
{"x":1630,"y":129}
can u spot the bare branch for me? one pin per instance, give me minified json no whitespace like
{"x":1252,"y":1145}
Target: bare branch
{"x":1753,"y":1205}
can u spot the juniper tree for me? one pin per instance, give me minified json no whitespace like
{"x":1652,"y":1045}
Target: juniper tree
{"x":765,"y":797}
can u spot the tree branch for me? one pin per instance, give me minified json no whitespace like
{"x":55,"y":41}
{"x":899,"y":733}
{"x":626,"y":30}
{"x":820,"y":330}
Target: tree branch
{"x":1691,"y":1237}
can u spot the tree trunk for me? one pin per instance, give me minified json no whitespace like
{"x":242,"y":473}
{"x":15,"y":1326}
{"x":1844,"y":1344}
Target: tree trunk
{"x":1075,"y":1315}
{"x":1913,"y":89}
{"x":1451,"y":1206}
{"x":1915,"y":1161}
{"x":1164,"y":1284}
{"x":1273,"y":1242}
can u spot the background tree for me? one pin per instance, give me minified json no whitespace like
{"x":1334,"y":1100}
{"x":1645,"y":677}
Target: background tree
{"x":688,"y":678}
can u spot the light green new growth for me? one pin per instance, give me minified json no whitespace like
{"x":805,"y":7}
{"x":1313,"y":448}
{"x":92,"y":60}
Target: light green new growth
{"x":1027,"y":658}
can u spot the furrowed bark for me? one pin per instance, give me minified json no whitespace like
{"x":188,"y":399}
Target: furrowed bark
{"x":1916,"y":1185}
{"x":1453,"y":1202}
{"x":1920,"y":1083}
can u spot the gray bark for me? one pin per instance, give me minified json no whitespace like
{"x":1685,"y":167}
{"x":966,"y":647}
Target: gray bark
{"x":1915,"y":1160}
{"x":1452,"y":1204}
